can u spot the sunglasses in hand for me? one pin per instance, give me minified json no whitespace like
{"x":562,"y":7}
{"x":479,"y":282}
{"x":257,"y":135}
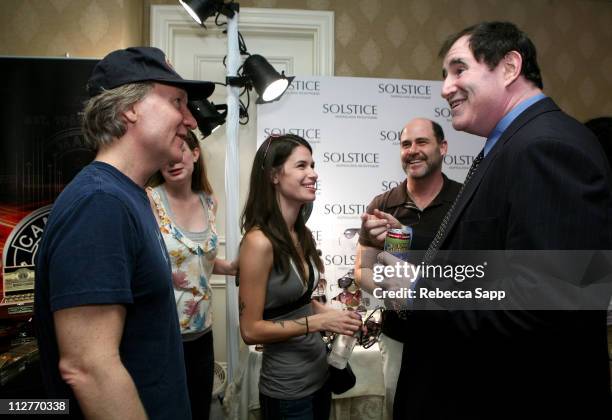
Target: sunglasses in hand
{"x":347,"y":280}
{"x":373,"y":325}
{"x":351,"y":300}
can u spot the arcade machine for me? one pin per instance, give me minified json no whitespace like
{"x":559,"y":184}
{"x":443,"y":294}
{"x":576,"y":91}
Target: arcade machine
{"x":41,"y":149}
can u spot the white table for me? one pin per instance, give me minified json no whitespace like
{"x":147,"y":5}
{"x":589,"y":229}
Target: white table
{"x":364,"y":401}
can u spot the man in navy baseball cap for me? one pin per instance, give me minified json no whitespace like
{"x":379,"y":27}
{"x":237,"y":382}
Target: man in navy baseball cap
{"x":107,"y":326}
{"x":141,"y":64}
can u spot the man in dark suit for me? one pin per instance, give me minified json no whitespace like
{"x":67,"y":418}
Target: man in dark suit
{"x":541,"y":183}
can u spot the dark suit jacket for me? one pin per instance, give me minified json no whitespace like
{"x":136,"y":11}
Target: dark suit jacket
{"x":545,"y":185}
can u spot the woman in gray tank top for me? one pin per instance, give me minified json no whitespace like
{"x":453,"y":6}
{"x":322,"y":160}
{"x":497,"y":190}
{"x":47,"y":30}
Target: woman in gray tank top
{"x":278,"y":262}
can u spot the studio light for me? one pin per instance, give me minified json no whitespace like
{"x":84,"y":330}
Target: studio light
{"x":208,"y":115}
{"x":200,"y":10}
{"x":269,"y":84}
{"x":258,"y":73}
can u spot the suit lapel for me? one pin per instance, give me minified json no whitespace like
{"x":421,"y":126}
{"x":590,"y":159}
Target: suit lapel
{"x":540,"y":107}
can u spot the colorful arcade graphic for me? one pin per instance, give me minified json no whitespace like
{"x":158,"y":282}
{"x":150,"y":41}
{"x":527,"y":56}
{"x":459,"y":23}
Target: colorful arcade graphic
{"x":41,"y":149}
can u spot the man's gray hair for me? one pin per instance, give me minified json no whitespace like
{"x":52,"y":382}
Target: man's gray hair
{"x":103,"y":121}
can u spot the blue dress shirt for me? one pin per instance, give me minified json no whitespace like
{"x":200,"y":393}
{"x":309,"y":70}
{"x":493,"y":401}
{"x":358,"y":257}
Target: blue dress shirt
{"x":507,"y":120}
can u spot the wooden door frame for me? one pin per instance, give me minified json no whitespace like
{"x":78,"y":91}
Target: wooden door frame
{"x":167,"y":21}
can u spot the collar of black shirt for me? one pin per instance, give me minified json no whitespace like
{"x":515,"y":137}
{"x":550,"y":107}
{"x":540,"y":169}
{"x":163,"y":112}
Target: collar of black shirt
{"x":399,"y":195}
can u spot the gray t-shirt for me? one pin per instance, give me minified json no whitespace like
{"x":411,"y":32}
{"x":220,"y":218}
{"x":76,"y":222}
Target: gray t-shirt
{"x":297,"y":367}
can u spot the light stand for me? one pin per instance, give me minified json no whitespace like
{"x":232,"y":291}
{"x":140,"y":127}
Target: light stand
{"x":232,"y":188}
{"x":259,"y":74}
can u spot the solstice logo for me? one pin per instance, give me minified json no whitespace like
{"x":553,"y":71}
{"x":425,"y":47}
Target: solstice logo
{"x":344,"y":210}
{"x":339,"y":259}
{"x":352,"y":159}
{"x":443,"y":113}
{"x":405,"y":90}
{"x":317,"y":235}
{"x":390,"y":136}
{"x":351,"y":111}
{"x":388,"y":184}
{"x":458,"y":161}
{"x":304,"y":87}
{"x":312,"y":135}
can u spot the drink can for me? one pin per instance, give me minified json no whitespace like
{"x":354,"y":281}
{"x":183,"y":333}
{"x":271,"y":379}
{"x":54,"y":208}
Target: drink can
{"x":398,"y":242}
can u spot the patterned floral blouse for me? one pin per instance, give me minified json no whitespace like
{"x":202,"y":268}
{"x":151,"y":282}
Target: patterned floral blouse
{"x":192,"y":264}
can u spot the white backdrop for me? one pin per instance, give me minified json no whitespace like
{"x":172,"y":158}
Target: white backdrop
{"x":354,"y":125}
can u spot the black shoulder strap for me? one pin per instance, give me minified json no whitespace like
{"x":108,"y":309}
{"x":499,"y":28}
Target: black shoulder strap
{"x":292,"y":306}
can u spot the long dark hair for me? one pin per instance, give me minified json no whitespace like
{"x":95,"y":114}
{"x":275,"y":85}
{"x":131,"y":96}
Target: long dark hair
{"x":199,"y":177}
{"x":262,"y":211}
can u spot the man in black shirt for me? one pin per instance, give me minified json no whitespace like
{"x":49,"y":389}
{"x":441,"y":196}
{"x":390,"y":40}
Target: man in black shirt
{"x":421,"y":201}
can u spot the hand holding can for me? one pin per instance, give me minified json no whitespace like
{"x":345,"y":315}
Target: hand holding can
{"x":398,"y":242}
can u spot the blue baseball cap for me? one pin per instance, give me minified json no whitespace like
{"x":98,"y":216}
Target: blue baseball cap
{"x":142,"y":64}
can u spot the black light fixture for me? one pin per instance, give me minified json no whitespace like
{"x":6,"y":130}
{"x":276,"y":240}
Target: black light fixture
{"x":200,"y":10}
{"x":269,"y":84}
{"x":208,"y":115}
{"x":256,"y":72}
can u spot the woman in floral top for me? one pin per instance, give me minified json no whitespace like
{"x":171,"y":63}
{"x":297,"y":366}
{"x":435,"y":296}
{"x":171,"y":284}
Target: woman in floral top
{"x":184,"y":205}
